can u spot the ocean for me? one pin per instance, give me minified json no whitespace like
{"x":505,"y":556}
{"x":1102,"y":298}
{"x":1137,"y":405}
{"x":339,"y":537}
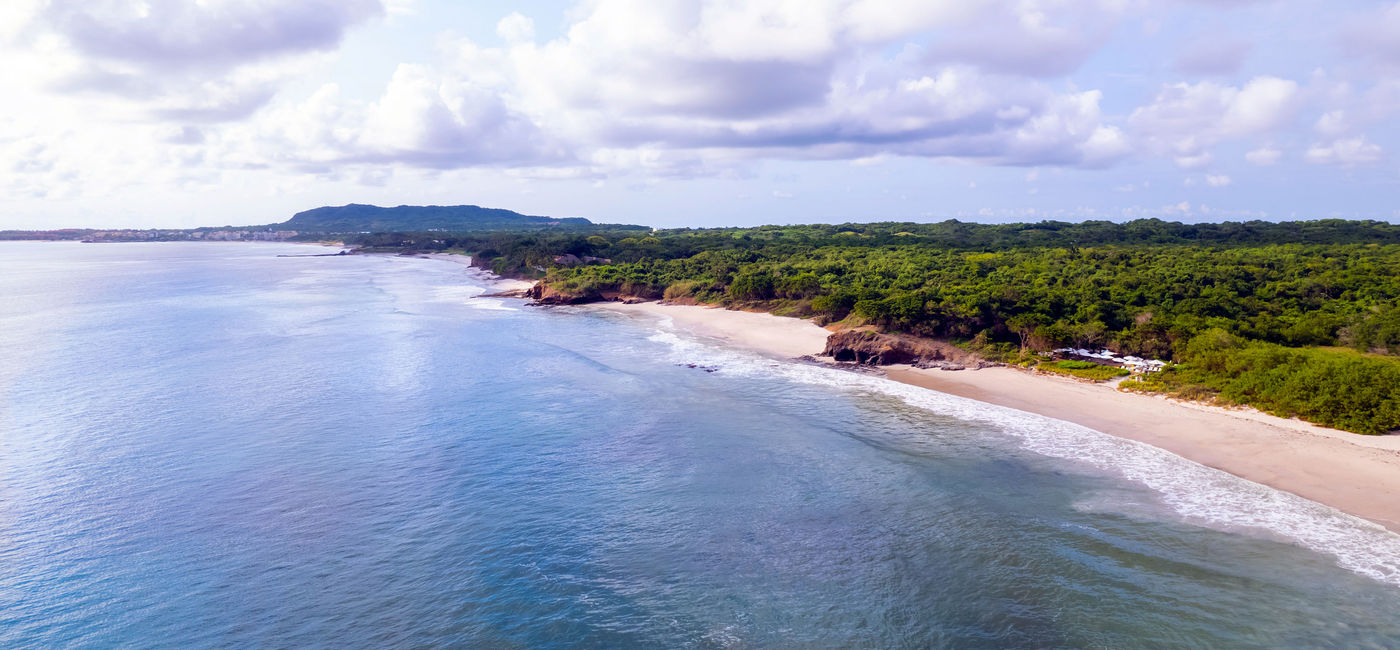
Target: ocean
{"x":209,"y":445}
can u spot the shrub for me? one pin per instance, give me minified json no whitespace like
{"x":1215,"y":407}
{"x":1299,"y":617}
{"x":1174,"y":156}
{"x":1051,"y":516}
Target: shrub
{"x":1083,"y":370}
{"x":680,"y":290}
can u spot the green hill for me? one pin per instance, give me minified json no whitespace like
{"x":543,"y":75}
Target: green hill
{"x":416,"y":218}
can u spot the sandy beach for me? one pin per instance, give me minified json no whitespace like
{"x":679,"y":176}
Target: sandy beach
{"x":498,"y":283}
{"x":777,"y":335}
{"x":1357,"y":474}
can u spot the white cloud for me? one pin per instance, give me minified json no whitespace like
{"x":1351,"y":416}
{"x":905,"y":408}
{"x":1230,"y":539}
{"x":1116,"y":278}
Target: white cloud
{"x":1106,"y":145}
{"x":1194,"y":161}
{"x":1069,"y":131}
{"x":725,"y":82}
{"x":1375,"y":35}
{"x":317,"y":132}
{"x":1029,"y":37}
{"x":1264,"y":156}
{"x":1186,"y":121}
{"x":15,"y":17}
{"x":1332,"y":123}
{"x":99,"y":95}
{"x":423,"y":119}
{"x":1350,"y":108}
{"x":430,"y":120}
{"x":1183,"y":208}
{"x":208,"y":61}
{"x":401,"y":7}
{"x":1264,"y":103}
{"x":1346,"y":152}
{"x":41,"y":160}
{"x":516,"y":28}
{"x":631,"y":86}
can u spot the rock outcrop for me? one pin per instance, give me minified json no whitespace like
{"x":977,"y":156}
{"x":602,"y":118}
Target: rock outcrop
{"x":544,"y":294}
{"x":547,"y":295}
{"x":869,"y":347}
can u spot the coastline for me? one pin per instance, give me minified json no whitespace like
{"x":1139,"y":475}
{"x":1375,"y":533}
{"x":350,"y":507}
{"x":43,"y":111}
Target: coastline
{"x":757,"y":331}
{"x":1359,"y":475}
{"x":498,"y":283}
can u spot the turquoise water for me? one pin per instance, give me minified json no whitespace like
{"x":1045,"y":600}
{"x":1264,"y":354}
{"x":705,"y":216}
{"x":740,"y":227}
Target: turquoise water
{"x":208,"y":445}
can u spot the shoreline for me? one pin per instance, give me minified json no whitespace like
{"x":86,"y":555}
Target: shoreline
{"x":1357,"y":474}
{"x":498,"y":283}
{"x":755,"y":331}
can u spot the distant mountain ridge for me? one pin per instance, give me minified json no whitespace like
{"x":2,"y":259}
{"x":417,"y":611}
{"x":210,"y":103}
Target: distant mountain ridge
{"x":357,"y":217}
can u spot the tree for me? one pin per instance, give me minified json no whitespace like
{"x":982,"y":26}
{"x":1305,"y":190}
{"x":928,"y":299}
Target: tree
{"x":1024,"y":326}
{"x":1089,"y":334}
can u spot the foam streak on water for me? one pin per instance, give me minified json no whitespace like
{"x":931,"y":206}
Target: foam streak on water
{"x":1200,"y":494}
{"x":207,"y":445}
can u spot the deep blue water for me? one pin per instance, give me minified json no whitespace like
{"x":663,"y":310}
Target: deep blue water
{"x":207,"y":445}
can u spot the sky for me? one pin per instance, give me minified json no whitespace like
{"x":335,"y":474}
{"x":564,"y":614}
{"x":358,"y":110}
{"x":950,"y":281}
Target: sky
{"x":184,"y":113}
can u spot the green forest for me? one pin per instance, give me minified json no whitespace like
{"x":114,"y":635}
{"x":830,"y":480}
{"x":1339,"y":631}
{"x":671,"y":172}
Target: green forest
{"x":1296,"y":318}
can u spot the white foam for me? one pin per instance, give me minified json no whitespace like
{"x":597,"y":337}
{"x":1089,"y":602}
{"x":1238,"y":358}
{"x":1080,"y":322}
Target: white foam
{"x":1200,"y":495}
{"x":490,"y":304}
{"x":454,"y":293}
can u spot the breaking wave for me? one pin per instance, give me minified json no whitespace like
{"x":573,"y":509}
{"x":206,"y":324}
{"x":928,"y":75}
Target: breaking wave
{"x":1200,"y":495}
